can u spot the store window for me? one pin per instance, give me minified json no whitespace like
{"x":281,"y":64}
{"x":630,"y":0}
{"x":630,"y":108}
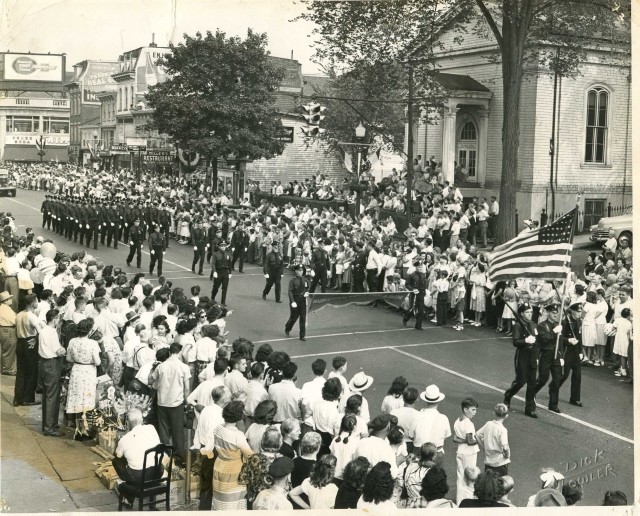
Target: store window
{"x":54,"y":124}
{"x":23,"y":124}
{"x":597,"y":125}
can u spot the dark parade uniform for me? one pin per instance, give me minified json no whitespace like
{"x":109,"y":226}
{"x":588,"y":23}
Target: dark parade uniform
{"x":239,"y":246}
{"x":273,"y":268}
{"x":164,"y":219}
{"x":320,"y":266}
{"x":547,"y":364}
{"x":416,"y":281}
{"x":156,"y":250}
{"x":83,"y":221}
{"x":45,"y":210}
{"x":213,"y":241}
{"x":220,"y":273}
{"x":136,"y":237}
{"x":93,"y":223}
{"x":526,"y":364}
{"x":572,"y":329}
{"x":113,"y":225}
{"x":128,"y":218}
{"x":298,"y":287}
{"x":199,"y":239}
{"x":359,"y":271}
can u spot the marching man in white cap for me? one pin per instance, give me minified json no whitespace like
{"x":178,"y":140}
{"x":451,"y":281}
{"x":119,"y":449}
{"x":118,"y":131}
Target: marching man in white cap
{"x":432,"y":426}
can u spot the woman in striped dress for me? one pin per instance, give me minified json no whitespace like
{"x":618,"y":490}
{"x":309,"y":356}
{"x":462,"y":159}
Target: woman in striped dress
{"x":231,"y":446}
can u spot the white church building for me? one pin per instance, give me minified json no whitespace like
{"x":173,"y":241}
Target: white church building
{"x":593,"y":144}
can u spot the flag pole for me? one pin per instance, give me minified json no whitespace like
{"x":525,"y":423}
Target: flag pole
{"x":567,"y":258}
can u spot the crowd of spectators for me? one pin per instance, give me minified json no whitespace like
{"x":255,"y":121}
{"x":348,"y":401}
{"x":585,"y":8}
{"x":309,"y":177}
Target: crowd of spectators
{"x":255,"y":428}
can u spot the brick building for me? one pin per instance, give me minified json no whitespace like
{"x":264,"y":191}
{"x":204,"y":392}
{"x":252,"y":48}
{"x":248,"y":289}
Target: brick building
{"x":90,"y":78}
{"x":593,"y":128}
{"x":300,"y":159}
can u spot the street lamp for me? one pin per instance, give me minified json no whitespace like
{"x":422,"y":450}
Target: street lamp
{"x":361,"y":131}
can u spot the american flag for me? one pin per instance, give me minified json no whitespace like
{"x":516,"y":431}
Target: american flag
{"x":543,"y":253}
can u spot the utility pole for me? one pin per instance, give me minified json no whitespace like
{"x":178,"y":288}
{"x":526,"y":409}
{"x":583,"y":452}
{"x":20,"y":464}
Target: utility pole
{"x":552,"y":141}
{"x":410,"y":142}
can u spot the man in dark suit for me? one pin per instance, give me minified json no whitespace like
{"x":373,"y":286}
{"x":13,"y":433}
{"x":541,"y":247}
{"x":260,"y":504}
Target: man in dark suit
{"x":156,"y":249}
{"x":571,"y":338}
{"x":220,"y":271}
{"x":417,"y":283}
{"x":199,"y":239}
{"x":135,"y":243}
{"x":239,"y":246}
{"x":548,"y":362}
{"x":298,"y":292}
{"x":273,"y":269}
{"x":319,"y":267}
{"x":525,"y":339}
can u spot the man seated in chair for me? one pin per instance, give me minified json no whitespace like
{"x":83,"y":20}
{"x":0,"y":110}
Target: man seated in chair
{"x":129,"y":457}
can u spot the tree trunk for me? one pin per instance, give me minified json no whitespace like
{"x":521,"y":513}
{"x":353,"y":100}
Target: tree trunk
{"x":214,"y":173}
{"x":511,"y":81}
{"x":207,"y":173}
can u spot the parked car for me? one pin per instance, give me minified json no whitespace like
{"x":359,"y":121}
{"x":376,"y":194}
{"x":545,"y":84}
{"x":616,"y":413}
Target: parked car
{"x":7,"y":186}
{"x":622,"y":225}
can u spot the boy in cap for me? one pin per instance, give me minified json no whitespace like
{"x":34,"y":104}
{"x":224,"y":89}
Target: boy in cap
{"x":275,"y":497}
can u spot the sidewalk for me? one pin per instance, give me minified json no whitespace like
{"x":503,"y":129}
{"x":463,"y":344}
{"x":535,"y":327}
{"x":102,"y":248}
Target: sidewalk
{"x":45,"y":474}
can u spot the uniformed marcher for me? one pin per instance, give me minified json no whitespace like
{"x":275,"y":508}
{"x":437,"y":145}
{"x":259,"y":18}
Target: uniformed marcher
{"x":273,"y":270}
{"x":156,"y":249}
{"x":45,"y":210}
{"x":135,"y":243}
{"x":214,"y":235}
{"x":164,"y":218}
{"x":220,"y":271}
{"x":239,"y":246}
{"x":319,"y":267}
{"x":417,"y":283}
{"x":93,"y":224}
{"x":572,"y":340}
{"x":83,"y":221}
{"x":298,"y":293}
{"x":199,"y":240}
{"x":548,"y":362}
{"x":113,"y":225}
{"x":525,"y":339}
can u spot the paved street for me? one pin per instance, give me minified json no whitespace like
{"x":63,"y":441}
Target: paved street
{"x":592,"y":444}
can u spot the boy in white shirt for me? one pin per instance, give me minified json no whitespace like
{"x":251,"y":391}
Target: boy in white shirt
{"x":464,"y":435}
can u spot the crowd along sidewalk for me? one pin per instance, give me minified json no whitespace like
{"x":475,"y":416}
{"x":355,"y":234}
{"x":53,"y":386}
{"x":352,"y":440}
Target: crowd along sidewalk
{"x":45,"y":474}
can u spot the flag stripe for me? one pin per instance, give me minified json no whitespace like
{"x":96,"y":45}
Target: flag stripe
{"x":557,"y":259}
{"x":542,"y":253}
{"x":513,"y":274}
{"x":536,"y":252}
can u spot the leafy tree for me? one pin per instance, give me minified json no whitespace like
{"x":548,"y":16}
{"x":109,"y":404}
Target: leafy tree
{"x":523,"y":30}
{"x":219,"y":98}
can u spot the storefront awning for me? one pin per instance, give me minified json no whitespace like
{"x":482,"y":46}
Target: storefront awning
{"x":30,"y":153}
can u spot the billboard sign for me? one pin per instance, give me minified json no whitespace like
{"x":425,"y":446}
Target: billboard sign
{"x":33,"y":67}
{"x":97,"y":78}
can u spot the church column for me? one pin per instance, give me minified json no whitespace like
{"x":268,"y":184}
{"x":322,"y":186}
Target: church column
{"x":483,"y":118}
{"x":449,"y":142}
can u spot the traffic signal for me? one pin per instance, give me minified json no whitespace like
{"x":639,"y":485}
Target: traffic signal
{"x":312,"y":113}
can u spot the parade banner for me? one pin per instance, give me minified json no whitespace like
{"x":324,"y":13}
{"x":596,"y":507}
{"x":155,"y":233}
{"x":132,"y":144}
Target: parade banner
{"x":319,"y":301}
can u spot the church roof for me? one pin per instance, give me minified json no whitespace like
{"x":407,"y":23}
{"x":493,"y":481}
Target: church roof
{"x":455,"y":82}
